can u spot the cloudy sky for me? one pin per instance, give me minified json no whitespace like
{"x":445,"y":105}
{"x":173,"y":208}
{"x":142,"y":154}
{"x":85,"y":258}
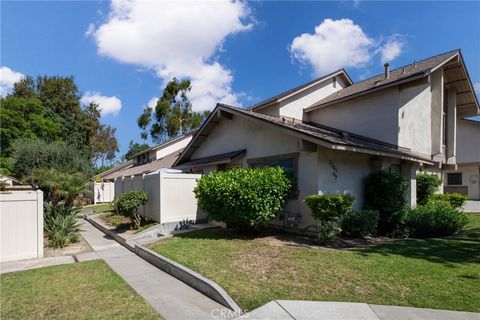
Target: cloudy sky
{"x":121,"y":53}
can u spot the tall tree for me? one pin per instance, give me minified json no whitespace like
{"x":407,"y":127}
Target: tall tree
{"x":173,"y":114}
{"x":134,"y":148}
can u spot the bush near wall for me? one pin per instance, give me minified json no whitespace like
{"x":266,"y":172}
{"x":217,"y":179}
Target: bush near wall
{"x":328,"y":209}
{"x":436,"y":218}
{"x":360,"y":224}
{"x":387,"y":193}
{"x":244,"y":198}
{"x":427,"y":185}
{"x":128,"y":203}
{"x":456,"y":200}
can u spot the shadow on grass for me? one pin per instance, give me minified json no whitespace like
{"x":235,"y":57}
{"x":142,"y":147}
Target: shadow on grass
{"x":463,"y":248}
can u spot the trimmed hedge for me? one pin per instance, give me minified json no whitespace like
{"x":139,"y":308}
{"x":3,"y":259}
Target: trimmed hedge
{"x":360,"y":224}
{"x":128,"y":203}
{"x":387,"y":193}
{"x":456,"y":200}
{"x":329,"y":209}
{"x":427,"y":184}
{"x":244,"y":198}
{"x":436,"y":218}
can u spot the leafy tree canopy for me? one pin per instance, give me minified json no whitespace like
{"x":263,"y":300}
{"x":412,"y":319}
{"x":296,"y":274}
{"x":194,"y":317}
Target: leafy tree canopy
{"x":173,"y":114}
{"x":49,"y":109}
{"x":134,"y":148}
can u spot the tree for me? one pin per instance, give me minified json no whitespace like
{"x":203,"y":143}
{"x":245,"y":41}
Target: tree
{"x":128,"y":203}
{"x":49,"y":108}
{"x":134,"y":148}
{"x":173,"y":113}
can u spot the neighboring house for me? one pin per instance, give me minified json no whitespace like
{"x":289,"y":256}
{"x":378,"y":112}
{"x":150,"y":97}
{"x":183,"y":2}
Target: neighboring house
{"x":465,"y":179}
{"x":9,"y":181}
{"x":158,"y":157}
{"x":329,"y":134}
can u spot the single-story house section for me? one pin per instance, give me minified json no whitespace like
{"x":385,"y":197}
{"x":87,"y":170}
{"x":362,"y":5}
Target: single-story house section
{"x":465,"y":179}
{"x":320,"y":159}
{"x":330,"y":134}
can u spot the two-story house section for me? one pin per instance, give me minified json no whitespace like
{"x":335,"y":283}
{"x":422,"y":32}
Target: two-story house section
{"x":416,"y":107}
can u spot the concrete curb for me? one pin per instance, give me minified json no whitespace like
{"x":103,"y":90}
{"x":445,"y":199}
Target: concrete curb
{"x":182,"y":273}
{"x":124,"y":242}
{"x":190,"y":277}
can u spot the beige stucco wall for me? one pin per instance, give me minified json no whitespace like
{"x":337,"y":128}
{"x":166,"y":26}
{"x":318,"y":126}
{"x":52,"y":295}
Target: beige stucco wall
{"x":293,"y":106}
{"x":468,"y":142}
{"x":400,"y":116}
{"x":315,"y":168}
{"x":470,"y":179}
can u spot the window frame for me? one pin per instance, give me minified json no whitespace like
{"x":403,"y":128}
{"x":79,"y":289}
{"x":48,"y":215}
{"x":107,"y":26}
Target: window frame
{"x":267,"y":161}
{"x":449,"y":174}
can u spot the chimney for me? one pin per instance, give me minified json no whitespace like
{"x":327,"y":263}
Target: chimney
{"x":387,"y":70}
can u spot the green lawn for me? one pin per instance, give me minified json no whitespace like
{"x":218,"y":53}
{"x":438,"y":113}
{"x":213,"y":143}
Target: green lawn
{"x":84,"y":290}
{"x":104,"y":207}
{"x":430,"y":273}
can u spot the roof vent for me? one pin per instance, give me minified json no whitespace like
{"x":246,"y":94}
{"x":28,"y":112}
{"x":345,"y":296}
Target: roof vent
{"x":415,"y":64}
{"x":387,"y":70}
{"x":403,"y":70}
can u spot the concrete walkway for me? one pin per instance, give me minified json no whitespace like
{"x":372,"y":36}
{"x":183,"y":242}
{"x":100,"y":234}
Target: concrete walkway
{"x":23,"y":265}
{"x":472,"y":206}
{"x":170,"y":297}
{"x":316,"y":310}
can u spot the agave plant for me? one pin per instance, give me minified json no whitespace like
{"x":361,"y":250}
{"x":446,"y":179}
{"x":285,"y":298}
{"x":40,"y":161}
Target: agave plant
{"x":61,"y":224}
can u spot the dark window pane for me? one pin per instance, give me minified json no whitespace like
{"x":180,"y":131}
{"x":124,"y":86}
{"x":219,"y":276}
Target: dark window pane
{"x":454,"y":179}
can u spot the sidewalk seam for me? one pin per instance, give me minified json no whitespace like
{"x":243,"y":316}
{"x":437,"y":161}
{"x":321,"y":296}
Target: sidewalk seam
{"x":291,"y":316}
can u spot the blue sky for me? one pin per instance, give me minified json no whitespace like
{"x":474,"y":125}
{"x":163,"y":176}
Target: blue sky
{"x":239,"y":53}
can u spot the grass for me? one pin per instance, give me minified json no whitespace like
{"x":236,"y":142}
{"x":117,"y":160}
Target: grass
{"x":104,"y":207}
{"x":121,"y":222}
{"x":429,"y":273}
{"x":84,"y":290}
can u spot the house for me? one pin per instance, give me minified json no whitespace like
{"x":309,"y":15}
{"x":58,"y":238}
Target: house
{"x":464,"y":179}
{"x":330,"y":133}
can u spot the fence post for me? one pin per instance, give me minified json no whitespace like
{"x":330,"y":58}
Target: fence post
{"x":39,"y":224}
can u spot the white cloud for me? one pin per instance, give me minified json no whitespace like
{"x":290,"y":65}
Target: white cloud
{"x":341,"y":43}
{"x":107,"y":105}
{"x":391,"y":49}
{"x":176,"y":39}
{"x":8,"y":77}
{"x":152,"y":103}
{"x":476,"y":86}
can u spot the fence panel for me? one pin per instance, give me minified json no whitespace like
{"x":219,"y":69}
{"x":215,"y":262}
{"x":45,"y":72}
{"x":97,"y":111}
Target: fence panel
{"x":21,"y":225}
{"x":103,"y":192}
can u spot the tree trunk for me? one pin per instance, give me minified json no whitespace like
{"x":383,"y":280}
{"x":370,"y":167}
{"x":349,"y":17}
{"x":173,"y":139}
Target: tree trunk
{"x":136,"y":220}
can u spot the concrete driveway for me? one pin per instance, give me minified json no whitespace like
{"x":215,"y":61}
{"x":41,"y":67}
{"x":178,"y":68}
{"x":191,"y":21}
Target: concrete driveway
{"x":472,"y":206}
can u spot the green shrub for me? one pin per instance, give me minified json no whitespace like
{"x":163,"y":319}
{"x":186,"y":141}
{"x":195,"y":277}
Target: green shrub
{"x":244,"y":198}
{"x":128,"y":203}
{"x":436,"y":218}
{"x":38,"y":154}
{"x":61,"y":224}
{"x":387,"y":193}
{"x":427,"y":184}
{"x":328,"y":209}
{"x":360,"y":223}
{"x":456,"y":200}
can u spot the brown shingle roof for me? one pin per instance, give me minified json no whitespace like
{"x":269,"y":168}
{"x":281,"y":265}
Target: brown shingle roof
{"x":338,"y":138}
{"x":300,"y":87}
{"x":420,"y":68}
{"x":132,"y":170}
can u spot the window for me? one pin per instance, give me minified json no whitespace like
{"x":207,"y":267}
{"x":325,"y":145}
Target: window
{"x":289,"y":163}
{"x":454,"y":179}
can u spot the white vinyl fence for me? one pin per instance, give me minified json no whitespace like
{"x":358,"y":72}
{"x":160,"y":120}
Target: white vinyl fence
{"x":103,"y":192}
{"x":21,"y":225}
{"x":171,"y":197}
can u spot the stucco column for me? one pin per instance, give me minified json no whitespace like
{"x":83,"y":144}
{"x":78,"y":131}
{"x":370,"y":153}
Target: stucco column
{"x":451,"y":125}
{"x":409,"y":173}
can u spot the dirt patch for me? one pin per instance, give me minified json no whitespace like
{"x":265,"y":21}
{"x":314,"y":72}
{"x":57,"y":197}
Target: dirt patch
{"x":282,"y":240}
{"x":80,"y":246}
{"x":122,"y":225}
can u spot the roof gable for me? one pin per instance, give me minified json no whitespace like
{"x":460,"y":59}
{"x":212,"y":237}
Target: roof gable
{"x":299,"y":89}
{"x":398,"y":76}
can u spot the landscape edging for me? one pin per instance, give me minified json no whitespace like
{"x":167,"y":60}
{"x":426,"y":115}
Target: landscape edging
{"x":180,"y":272}
{"x":190,"y":277}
